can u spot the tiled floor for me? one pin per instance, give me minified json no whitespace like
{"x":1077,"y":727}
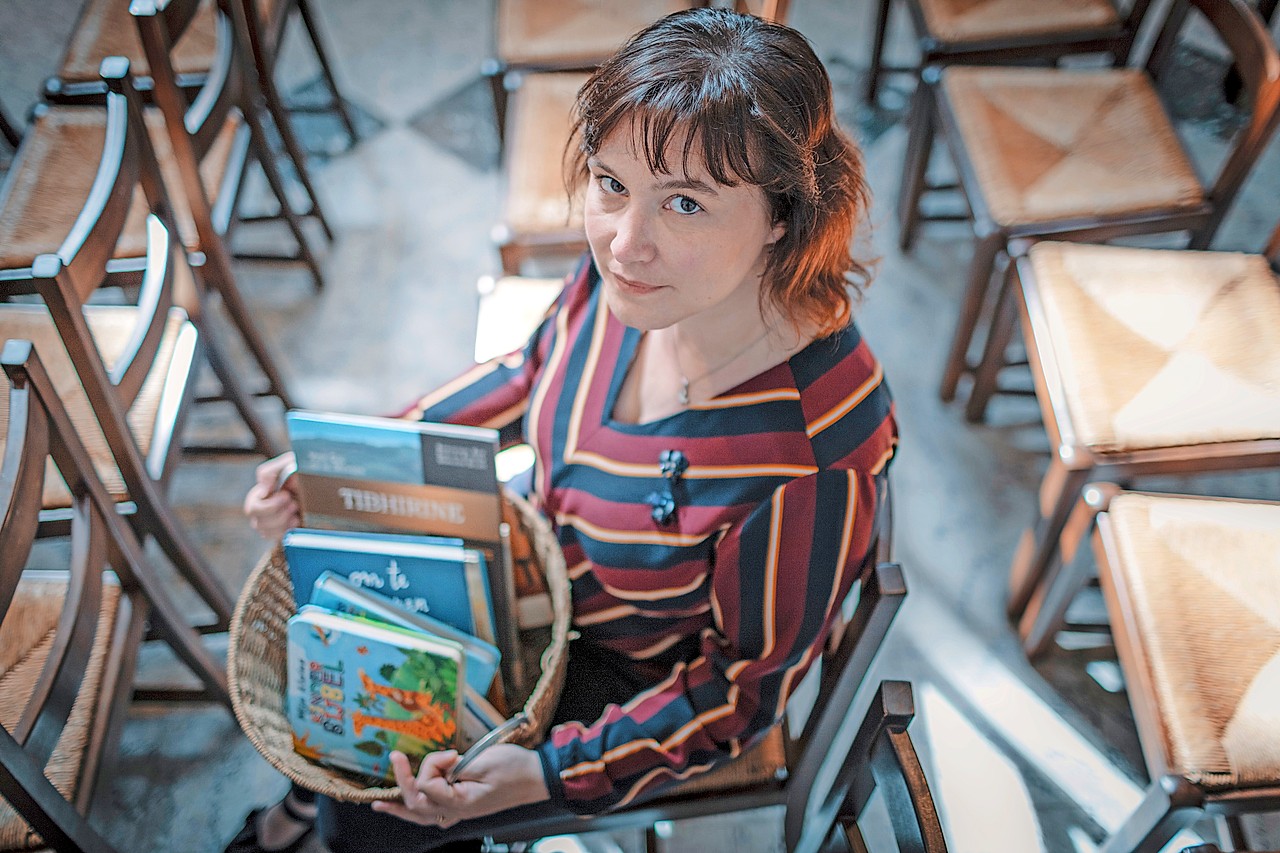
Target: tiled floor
{"x":1021,"y":758}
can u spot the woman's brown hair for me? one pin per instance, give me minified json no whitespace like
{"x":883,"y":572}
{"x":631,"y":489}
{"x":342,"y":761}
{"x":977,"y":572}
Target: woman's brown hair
{"x":753,"y":101}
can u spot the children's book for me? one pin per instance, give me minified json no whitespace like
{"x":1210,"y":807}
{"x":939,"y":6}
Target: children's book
{"x":360,"y":472}
{"x":334,"y":592}
{"x":447,"y":582}
{"x":357,"y":689}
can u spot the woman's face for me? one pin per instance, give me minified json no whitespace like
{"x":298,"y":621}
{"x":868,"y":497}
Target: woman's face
{"x":674,"y":247}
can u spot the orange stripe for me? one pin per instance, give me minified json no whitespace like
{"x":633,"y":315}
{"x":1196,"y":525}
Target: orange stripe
{"x":848,"y":403}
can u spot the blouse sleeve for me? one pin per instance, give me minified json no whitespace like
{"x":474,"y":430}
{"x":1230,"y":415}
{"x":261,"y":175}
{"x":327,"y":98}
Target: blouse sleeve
{"x":495,"y":393}
{"x":778,"y":583}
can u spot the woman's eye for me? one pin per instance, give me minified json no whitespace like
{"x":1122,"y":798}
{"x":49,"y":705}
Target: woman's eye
{"x":684,"y":204}
{"x":610,"y":185}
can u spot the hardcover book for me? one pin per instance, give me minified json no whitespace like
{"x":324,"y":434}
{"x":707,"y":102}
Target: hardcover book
{"x":371,"y":473}
{"x":447,"y":582}
{"x":334,"y":592}
{"x":357,"y":689}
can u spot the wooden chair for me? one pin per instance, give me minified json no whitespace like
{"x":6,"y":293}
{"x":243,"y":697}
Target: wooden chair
{"x":562,"y":35}
{"x":1075,"y":154}
{"x":125,"y":372}
{"x":104,"y":29}
{"x":999,"y":32}
{"x":539,"y":218}
{"x":785,"y":767}
{"x":1192,"y":590}
{"x":884,"y":757}
{"x":51,"y":177}
{"x":68,"y":640}
{"x":211,"y":45}
{"x":1146,"y":362}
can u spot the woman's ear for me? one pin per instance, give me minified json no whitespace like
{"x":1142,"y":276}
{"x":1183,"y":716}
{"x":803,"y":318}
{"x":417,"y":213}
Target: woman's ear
{"x":778,"y":230}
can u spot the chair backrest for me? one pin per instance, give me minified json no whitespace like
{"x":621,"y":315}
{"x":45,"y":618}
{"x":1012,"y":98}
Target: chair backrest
{"x":883,"y":757}
{"x":1254,"y":54}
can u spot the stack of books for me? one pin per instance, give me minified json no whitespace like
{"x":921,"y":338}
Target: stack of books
{"x":405,"y":635}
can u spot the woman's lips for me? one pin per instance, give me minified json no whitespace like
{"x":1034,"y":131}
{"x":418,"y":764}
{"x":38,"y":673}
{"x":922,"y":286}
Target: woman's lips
{"x":636,"y":287}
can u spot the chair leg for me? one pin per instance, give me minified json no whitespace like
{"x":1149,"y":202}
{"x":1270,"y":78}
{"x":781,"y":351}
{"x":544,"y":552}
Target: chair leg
{"x":1169,"y":805}
{"x":217,"y":275}
{"x":297,"y":155}
{"x":877,"y":52}
{"x":272,"y":171}
{"x":1039,"y":543}
{"x":9,"y":132}
{"x":317,"y":44}
{"x":1064,"y":577}
{"x":985,"y":252}
{"x":1003,"y":321}
{"x":165,"y":616}
{"x":915,"y":165}
{"x":233,"y":389}
{"x":497,"y":75}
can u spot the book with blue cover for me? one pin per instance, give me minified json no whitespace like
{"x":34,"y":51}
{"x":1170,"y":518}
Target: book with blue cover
{"x":334,"y":592}
{"x":358,"y":689}
{"x":445,"y":581}
{"x":361,"y":472}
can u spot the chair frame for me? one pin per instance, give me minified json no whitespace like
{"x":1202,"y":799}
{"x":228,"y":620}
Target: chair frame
{"x":39,"y":427}
{"x":883,"y":756}
{"x":879,"y":595}
{"x":1035,"y":48}
{"x":1037,"y":598}
{"x":1171,"y":801}
{"x":1244,"y":33}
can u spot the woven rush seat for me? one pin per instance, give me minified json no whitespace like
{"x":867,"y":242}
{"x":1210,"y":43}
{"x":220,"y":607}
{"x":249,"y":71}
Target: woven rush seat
{"x":540,"y":123}
{"x":24,"y":647}
{"x":107,"y":29}
{"x":1202,"y":579}
{"x":572,"y":33}
{"x":1048,"y":144}
{"x":1162,"y":349}
{"x":981,"y":20}
{"x":112,"y":328}
{"x":50,"y":180}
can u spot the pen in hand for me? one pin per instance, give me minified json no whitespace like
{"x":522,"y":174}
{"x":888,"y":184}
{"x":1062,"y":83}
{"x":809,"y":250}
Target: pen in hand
{"x":489,"y":739}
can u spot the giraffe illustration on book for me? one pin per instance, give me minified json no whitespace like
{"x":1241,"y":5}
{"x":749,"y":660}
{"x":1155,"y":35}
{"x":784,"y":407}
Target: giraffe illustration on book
{"x":427,"y":724}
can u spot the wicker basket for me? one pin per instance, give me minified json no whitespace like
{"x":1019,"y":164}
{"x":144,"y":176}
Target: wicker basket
{"x":256,"y":659}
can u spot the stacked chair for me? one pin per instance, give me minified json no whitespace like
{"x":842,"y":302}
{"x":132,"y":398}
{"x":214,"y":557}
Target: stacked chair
{"x":1080,"y":154}
{"x":125,"y":372}
{"x":93,"y":402}
{"x":219,"y":49}
{"x":201,"y":150}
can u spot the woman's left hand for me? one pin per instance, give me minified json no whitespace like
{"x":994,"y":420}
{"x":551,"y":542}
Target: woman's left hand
{"x":502,"y":777}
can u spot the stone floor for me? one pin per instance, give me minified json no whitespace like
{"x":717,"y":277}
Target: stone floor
{"x":1021,"y":757}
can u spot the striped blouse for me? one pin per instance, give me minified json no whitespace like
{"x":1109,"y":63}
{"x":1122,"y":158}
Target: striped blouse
{"x":719,"y":572}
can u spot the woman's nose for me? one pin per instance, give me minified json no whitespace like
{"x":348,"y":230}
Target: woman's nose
{"x":633,"y":239}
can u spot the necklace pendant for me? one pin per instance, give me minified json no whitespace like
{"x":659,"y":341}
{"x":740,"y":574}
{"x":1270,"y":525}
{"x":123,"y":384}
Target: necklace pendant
{"x":684,"y":391}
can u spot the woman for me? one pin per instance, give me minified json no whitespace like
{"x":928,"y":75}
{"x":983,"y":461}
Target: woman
{"x":710,"y":428}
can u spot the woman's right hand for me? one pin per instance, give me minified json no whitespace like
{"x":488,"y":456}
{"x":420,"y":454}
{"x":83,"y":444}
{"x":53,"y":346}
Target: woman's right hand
{"x":272,"y":508}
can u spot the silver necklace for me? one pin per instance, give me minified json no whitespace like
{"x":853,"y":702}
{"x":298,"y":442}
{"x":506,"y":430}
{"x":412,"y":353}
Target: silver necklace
{"x":686,"y":382}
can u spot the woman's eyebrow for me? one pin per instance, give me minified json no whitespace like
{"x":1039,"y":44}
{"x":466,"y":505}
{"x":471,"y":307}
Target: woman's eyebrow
{"x":688,"y":184}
